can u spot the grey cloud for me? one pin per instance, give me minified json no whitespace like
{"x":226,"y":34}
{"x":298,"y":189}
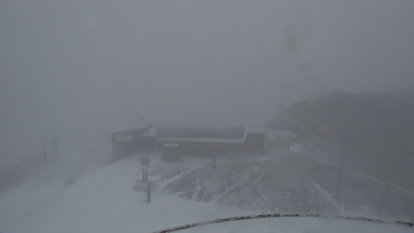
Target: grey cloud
{"x":81,"y":69}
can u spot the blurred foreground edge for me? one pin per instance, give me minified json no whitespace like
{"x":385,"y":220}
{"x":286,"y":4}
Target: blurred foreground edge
{"x":276,"y":215}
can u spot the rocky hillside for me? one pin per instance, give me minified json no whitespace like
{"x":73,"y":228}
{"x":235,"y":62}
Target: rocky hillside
{"x":375,"y":132}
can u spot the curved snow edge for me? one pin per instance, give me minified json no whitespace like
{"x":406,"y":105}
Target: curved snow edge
{"x":409,"y":224}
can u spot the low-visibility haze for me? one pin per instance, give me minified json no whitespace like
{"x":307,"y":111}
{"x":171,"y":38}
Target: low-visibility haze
{"x":140,"y":116}
{"x":79,"y":70}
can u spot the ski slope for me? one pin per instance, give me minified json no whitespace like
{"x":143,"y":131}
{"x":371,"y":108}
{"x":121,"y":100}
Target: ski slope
{"x":104,"y":201}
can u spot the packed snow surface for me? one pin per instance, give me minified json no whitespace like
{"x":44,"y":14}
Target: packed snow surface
{"x":105,"y":201}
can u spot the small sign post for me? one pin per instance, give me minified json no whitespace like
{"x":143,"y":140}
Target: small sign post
{"x":149,"y":193}
{"x":145,"y":162}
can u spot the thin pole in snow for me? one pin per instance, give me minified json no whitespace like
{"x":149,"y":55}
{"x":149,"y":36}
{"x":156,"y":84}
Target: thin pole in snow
{"x":149,"y":193}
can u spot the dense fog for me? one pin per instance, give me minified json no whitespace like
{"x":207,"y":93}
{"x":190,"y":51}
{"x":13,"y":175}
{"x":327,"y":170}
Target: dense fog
{"x":79,"y":70}
{"x":215,"y":108}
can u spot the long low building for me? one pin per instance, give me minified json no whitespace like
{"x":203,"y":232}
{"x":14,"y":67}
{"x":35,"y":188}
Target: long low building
{"x":201,"y":134}
{"x":178,"y":139}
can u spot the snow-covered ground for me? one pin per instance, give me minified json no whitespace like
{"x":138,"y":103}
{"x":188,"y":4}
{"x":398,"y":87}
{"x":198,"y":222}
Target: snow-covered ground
{"x":305,"y":225}
{"x":103,"y":200}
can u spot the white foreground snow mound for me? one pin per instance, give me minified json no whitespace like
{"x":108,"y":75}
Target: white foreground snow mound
{"x":104,"y":201}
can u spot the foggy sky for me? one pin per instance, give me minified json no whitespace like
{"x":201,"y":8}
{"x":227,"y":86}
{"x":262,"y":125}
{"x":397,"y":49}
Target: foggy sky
{"x":81,"y":69}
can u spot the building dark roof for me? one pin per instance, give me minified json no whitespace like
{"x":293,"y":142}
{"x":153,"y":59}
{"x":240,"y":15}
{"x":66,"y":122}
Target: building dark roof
{"x":214,"y":134}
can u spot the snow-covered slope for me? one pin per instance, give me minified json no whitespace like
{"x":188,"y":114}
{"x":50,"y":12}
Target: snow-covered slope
{"x":30,"y":187}
{"x":104,"y":201}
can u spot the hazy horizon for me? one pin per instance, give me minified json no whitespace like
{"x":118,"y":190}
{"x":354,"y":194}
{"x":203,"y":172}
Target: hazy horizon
{"x":79,"y":70}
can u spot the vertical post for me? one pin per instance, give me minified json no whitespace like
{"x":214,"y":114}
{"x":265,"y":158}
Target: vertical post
{"x":143,"y":173}
{"x":148,"y":193}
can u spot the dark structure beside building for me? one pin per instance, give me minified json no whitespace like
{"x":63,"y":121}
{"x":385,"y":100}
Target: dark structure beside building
{"x":125,"y":143}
